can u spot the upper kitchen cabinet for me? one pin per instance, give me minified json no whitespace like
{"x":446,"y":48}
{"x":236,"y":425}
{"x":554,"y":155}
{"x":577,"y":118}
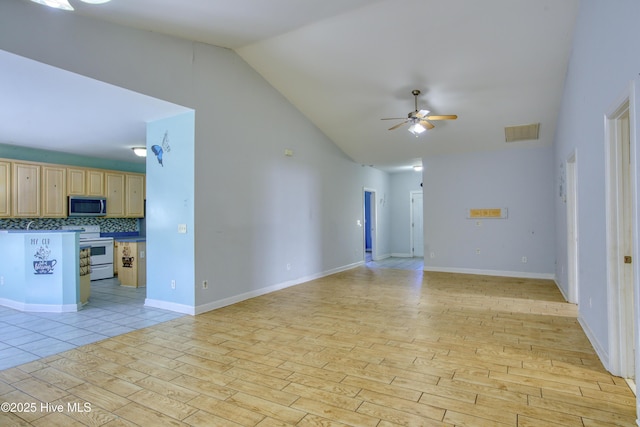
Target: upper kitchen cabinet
{"x":95,"y":183}
{"x":25,"y":200}
{"x":5,"y":189}
{"x":76,"y":181}
{"x":134,"y":204}
{"x":115,"y":194}
{"x":54,"y":192}
{"x":85,"y":182}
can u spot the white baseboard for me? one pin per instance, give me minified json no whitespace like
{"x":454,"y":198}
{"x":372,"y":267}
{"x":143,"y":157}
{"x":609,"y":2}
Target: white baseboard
{"x":171,"y":306}
{"x":263,"y":291}
{"x":600,"y":351}
{"x":203,"y":308}
{"x":40,"y":308}
{"x":401,"y":255}
{"x":519,"y":274}
{"x":564,"y":295}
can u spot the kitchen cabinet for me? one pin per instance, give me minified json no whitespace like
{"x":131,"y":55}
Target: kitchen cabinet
{"x":134,"y":190}
{"x":85,"y":274}
{"x":85,"y":182}
{"x":115,"y":257}
{"x":32,"y":189}
{"x":132,"y":266}
{"x":95,"y":183}
{"x":115,"y":194}
{"x":54,"y":192}
{"x":25,"y":198}
{"x":76,"y":181}
{"x":5,"y":189}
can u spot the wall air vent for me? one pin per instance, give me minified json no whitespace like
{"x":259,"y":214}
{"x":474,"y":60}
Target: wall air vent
{"x":522,"y":132}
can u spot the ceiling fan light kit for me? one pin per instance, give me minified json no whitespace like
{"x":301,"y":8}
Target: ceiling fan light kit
{"x":416,"y":129}
{"x":64,"y":4}
{"x":420,"y":119}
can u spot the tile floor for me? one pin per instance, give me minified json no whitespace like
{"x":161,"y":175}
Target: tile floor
{"x":112,"y":310}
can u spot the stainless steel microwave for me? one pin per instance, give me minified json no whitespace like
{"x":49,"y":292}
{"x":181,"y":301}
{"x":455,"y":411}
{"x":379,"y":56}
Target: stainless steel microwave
{"x":87,"y":206}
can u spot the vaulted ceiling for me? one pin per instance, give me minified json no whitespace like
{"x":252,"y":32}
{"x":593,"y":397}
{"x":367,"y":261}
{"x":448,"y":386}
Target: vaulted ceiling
{"x":346,"y":64}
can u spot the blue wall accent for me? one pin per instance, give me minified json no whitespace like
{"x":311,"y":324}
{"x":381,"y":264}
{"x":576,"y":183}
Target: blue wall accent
{"x":36,"y":155}
{"x":170,"y":201}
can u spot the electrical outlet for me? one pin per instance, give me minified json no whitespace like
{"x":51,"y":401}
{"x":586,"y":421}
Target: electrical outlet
{"x":182,"y":228}
{"x":478,"y":251}
{"x":205,"y":284}
{"x":173,"y":284}
{"x":288,"y":266}
{"x":524,"y":259}
{"x":432,"y":255}
{"x":141,"y":254}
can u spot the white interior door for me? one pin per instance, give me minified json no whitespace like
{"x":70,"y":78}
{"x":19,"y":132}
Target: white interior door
{"x":417,"y":226}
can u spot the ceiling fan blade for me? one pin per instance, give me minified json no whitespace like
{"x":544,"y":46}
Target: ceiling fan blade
{"x":422,"y":113}
{"x":398,"y":125}
{"x":427,"y":125}
{"x":394,"y":118}
{"x":445,"y":117}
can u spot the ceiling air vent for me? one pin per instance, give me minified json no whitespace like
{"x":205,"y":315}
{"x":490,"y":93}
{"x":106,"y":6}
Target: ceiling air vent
{"x":521,"y":133}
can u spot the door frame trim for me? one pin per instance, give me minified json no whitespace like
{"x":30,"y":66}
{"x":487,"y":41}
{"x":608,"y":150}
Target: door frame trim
{"x":573,"y":258}
{"x":620,"y":360}
{"x":374,"y":220}
{"x":411,"y":227}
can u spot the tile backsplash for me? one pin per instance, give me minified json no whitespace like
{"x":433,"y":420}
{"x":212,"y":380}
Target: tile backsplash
{"x":107,"y":225}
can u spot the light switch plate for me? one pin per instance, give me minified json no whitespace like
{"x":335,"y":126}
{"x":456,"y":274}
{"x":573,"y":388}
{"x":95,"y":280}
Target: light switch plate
{"x":182,"y":228}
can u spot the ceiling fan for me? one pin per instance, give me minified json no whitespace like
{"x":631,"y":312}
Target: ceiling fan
{"x":420,"y":119}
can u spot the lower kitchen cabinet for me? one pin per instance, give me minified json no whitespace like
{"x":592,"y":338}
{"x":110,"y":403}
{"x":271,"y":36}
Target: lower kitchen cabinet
{"x":131,"y":262}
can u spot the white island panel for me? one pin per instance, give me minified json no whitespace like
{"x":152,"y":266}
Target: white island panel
{"x":39,"y":271}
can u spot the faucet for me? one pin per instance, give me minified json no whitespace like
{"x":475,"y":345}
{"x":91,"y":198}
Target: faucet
{"x":29,"y":224}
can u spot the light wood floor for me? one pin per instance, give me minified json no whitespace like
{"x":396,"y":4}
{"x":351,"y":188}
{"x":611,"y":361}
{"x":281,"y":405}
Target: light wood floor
{"x":367,"y":347}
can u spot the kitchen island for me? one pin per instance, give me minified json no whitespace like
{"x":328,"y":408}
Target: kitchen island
{"x":40,"y":270}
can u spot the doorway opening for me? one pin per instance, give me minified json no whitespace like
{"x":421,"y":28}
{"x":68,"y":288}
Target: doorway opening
{"x":369,"y":196}
{"x":621,"y":244}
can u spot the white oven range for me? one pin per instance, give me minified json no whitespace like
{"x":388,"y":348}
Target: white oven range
{"x":101,"y":250}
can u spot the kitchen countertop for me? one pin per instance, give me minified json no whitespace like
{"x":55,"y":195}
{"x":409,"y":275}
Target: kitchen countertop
{"x":130,"y":239}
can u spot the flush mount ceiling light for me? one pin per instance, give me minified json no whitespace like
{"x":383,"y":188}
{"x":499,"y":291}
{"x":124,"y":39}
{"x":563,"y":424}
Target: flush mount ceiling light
{"x":64,"y":4}
{"x":140,"y":151}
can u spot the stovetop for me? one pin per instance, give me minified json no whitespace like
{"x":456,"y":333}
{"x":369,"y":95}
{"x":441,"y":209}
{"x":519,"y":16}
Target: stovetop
{"x":87,"y":232}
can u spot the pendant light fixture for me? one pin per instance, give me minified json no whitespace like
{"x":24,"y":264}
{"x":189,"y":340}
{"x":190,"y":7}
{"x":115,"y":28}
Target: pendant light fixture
{"x":64,"y":4}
